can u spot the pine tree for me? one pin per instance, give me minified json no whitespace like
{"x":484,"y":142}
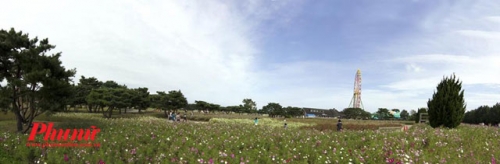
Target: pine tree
{"x":447,"y":106}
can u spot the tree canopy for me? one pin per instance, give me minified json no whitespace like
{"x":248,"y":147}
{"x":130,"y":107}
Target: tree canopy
{"x":36,"y":82}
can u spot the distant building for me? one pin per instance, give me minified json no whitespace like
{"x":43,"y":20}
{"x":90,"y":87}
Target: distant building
{"x":314,"y":112}
{"x":397,"y":115}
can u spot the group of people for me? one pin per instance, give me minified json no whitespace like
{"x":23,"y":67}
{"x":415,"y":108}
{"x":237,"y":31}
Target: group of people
{"x":177,"y":117}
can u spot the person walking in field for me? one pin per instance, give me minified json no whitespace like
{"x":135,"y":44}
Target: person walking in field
{"x":339,"y":126}
{"x":256,"y":121}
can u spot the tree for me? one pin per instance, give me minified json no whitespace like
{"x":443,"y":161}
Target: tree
{"x":83,"y":89}
{"x":112,"y":84}
{"x":447,"y":106}
{"x":365,"y":115}
{"x":294,"y":111}
{"x":174,"y":100}
{"x":383,"y":113}
{"x":201,"y":105}
{"x":36,"y":82}
{"x":483,"y":114}
{"x":112,"y":98}
{"x":234,"y":108}
{"x":140,"y":98}
{"x":354,"y":113}
{"x":404,"y":115}
{"x":274,"y":109}
{"x":155,"y":101}
{"x":249,"y":105}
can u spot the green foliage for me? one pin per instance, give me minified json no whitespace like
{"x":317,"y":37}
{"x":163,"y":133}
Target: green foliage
{"x":484,"y":114}
{"x":36,"y":81}
{"x":274,"y":109}
{"x":112,"y":84}
{"x":140,"y":98}
{"x":249,"y":106}
{"x":83,"y":89}
{"x":404,"y":115}
{"x":447,"y":106}
{"x":356,"y":113}
{"x":293,"y":111}
{"x":202,"y":105}
{"x":174,"y":100}
{"x":384,"y":113}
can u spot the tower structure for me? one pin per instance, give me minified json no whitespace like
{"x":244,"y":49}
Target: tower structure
{"x":356,"y":98}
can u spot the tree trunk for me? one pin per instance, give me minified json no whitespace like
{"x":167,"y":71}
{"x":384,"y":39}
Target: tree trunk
{"x":19,"y":119}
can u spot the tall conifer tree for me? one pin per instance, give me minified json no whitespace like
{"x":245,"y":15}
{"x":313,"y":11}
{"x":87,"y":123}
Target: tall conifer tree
{"x":447,"y":106}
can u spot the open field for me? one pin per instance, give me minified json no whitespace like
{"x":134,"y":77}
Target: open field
{"x":149,"y":138}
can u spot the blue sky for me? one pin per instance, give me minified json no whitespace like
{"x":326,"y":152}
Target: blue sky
{"x":294,"y":52}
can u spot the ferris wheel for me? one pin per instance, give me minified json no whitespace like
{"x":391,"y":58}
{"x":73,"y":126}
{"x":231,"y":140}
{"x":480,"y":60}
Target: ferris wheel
{"x":356,"y":98}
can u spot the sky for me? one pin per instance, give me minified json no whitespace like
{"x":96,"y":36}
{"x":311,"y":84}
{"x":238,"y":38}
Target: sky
{"x":292,"y":52}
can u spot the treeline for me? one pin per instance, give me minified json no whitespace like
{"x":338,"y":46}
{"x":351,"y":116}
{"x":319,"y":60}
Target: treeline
{"x":483,"y":114}
{"x":97,"y":96}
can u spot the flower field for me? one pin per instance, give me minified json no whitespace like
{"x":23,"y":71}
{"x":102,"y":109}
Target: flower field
{"x":155,"y":140}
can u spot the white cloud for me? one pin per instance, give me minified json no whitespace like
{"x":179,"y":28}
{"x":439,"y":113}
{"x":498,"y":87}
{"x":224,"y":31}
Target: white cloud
{"x":495,"y":19}
{"x":205,"y":48}
{"x":481,"y":34}
{"x":413,"y":68}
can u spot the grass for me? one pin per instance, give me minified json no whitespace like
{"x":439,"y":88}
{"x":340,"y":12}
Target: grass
{"x":149,"y":138}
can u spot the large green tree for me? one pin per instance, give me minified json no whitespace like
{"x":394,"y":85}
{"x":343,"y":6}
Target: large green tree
{"x":274,"y":109}
{"x":404,"y":115}
{"x":249,"y":106}
{"x":173,"y":100}
{"x":35,"y":81}
{"x":140,"y":98}
{"x":354,"y":113}
{"x":202,"y":105}
{"x":447,"y":106}
{"x":294,"y":111}
{"x":83,"y":89}
{"x":383,"y":113}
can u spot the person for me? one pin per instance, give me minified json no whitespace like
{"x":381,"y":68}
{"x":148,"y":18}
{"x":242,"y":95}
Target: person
{"x":256,"y":121}
{"x":339,"y":126}
{"x":285,"y":125}
{"x":173,"y":116}
{"x":185,"y":117}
